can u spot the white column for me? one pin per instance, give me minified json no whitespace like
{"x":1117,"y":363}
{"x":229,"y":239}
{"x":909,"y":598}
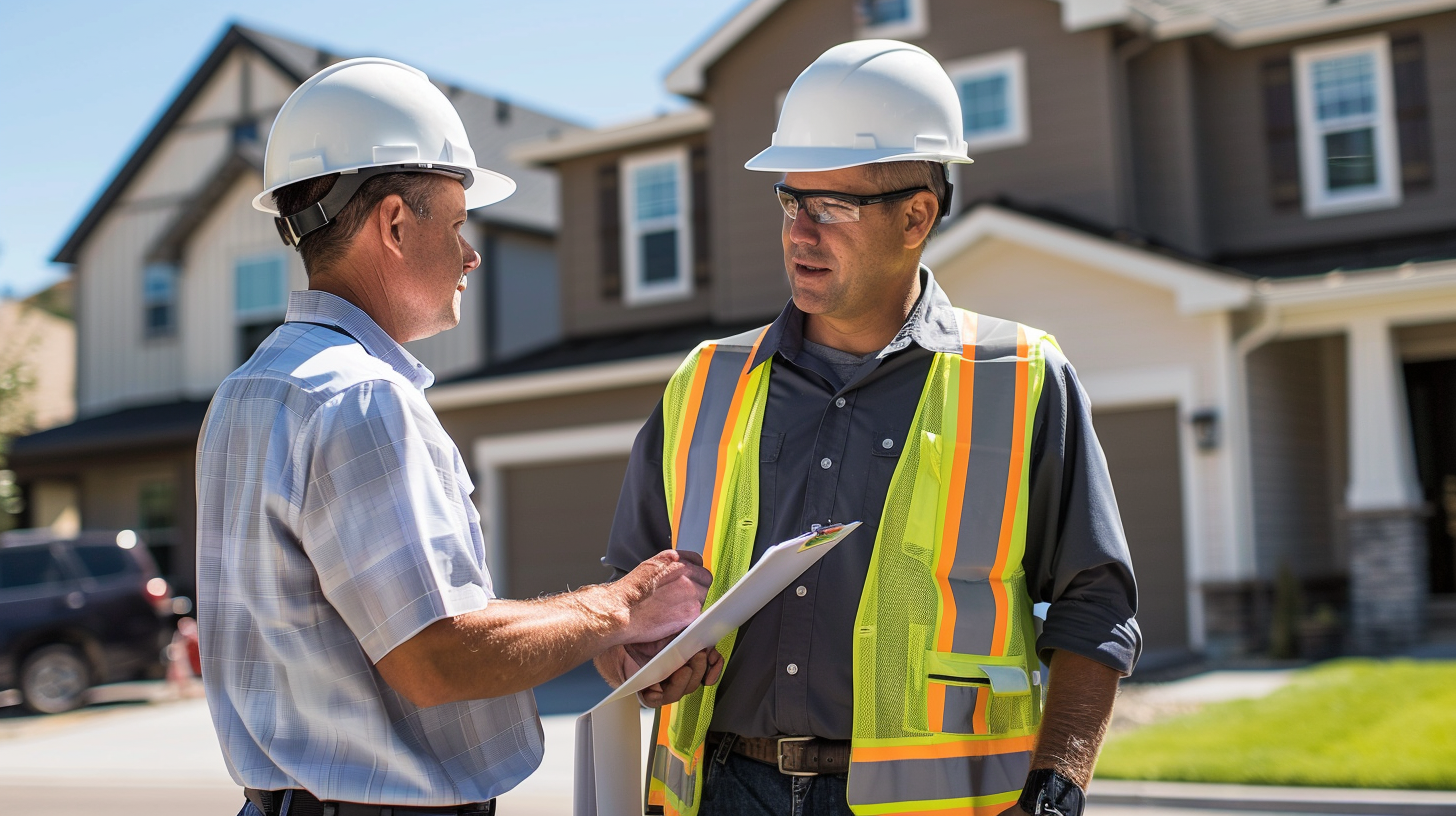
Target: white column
{"x":1382,"y":467}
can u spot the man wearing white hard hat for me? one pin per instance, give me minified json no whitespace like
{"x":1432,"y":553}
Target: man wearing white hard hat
{"x":904,"y":672}
{"x":356,"y":660}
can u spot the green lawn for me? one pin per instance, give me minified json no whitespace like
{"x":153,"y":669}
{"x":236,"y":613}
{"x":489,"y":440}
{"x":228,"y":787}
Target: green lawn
{"x":1346,"y":723}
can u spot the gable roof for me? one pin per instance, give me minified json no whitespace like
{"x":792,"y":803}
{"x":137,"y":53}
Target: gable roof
{"x":1196,"y":287}
{"x":533,"y":205}
{"x":1238,"y":23}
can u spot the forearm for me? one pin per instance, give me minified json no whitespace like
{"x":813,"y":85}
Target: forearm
{"x":1078,"y":711}
{"x":508,"y":646}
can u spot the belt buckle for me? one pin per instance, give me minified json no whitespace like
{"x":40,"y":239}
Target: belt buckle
{"x":781,"y":741}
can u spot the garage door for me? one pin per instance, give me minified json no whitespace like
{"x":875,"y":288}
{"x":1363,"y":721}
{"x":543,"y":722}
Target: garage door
{"x":1142,"y":455}
{"x":557,"y":517}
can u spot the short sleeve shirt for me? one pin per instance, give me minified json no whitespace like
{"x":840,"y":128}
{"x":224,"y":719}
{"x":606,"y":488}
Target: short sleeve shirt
{"x":335,"y":523}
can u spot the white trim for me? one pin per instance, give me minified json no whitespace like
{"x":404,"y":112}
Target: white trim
{"x":1196,"y":289}
{"x":493,"y":454}
{"x":555,"y":383}
{"x":689,"y":77}
{"x":1405,"y":281}
{"x":635,"y":290}
{"x":916,"y":24}
{"x":573,"y":144}
{"x":1012,"y":64}
{"x":1318,"y":201}
{"x":1156,"y":22}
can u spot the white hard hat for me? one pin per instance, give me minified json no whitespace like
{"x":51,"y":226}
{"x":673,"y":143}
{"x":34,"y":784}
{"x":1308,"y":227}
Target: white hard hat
{"x":864,"y":102}
{"x":361,"y":118}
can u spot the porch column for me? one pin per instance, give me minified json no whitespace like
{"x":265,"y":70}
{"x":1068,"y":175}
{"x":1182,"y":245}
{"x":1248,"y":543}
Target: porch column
{"x":1384,"y":512}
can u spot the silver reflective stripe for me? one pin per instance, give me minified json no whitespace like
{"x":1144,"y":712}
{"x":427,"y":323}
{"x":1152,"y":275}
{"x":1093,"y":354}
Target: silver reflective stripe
{"x":960,"y":709}
{"x":679,"y":781}
{"x":993,"y":412}
{"x":920,"y":780}
{"x":701,"y":474}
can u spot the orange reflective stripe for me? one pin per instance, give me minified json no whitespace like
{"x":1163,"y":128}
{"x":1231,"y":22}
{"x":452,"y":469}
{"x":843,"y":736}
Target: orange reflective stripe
{"x":1013,"y":496}
{"x":725,"y":441}
{"x":685,"y":437}
{"x":940,"y":750}
{"x":978,"y":717}
{"x":945,"y":636}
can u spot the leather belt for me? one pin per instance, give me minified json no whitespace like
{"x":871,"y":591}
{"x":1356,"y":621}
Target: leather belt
{"x":304,"y":803}
{"x":794,"y":756}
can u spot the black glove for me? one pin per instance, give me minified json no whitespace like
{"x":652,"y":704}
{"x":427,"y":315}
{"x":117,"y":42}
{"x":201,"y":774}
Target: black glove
{"x":1048,"y":793}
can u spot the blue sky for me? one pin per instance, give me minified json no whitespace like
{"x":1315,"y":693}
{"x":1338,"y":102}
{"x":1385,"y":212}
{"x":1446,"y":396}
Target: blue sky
{"x":84,"y":81}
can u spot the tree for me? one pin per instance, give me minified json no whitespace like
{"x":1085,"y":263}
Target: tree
{"x":17,"y":379}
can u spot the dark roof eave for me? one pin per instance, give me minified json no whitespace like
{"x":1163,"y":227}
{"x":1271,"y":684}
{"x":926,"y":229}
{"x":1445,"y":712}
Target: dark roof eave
{"x":235,"y":35}
{"x":128,"y":429}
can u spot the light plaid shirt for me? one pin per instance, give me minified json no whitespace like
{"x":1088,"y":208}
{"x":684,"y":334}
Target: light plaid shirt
{"x":333,"y":523}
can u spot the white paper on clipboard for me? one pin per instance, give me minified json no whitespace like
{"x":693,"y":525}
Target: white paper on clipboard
{"x":608,"y":778}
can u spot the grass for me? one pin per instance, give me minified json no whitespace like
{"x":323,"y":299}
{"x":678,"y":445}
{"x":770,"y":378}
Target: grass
{"x":1346,"y":723}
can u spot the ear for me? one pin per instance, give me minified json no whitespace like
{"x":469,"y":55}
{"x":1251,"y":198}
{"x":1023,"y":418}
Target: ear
{"x":392,"y":219}
{"x":920,"y":213}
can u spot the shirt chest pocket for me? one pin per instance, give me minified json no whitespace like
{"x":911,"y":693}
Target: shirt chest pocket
{"x":769,"y":447}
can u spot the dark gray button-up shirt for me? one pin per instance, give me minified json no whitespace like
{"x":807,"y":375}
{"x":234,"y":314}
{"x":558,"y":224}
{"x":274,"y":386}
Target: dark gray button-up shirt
{"x":827,"y":454}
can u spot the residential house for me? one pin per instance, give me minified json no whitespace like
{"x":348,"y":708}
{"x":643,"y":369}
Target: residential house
{"x":1239,"y":219}
{"x":178,"y":279}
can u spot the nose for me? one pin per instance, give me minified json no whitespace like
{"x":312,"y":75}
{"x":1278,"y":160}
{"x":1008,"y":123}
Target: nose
{"x":472,"y":260}
{"x":803,"y":229}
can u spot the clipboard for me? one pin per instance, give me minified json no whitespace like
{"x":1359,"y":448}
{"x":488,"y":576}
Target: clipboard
{"x":608,"y":778}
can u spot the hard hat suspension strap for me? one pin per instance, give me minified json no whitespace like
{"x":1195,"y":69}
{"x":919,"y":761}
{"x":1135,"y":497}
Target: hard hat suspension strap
{"x":293,"y":228}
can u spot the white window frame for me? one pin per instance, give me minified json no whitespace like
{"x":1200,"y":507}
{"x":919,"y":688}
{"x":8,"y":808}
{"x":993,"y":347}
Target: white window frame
{"x":1012,"y":63}
{"x":170,"y":331}
{"x":1318,"y":201}
{"x":916,"y":25}
{"x":259,"y":315}
{"x":635,"y":290}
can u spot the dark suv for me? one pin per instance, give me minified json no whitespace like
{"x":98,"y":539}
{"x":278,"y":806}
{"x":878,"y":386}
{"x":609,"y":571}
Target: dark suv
{"x":76,"y":613}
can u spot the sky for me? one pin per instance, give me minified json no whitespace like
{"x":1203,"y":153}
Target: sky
{"x":81,"y":83}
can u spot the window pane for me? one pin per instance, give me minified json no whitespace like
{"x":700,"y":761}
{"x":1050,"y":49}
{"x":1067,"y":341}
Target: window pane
{"x":656,"y":188}
{"x":32,"y":566}
{"x":159,"y":284}
{"x":1350,"y":159}
{"x":1344,"y":87}
{"x":659,"y":257}
{"x":159,"y":319}
{"x":261,"y":285}
{"x":101,"y":562}
{"x":157,"y":505}
{"x":984,"y":105}
{"x":880,"y":12}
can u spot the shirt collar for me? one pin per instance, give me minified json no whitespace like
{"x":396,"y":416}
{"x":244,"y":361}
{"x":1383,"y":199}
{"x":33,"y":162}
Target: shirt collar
{"x":932,"y":325}
{"x":312,"y":306}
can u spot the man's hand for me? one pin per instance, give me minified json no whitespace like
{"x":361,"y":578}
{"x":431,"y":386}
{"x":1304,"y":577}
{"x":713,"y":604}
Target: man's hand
{"x":702,"y":669}
{"x":661,"y":596}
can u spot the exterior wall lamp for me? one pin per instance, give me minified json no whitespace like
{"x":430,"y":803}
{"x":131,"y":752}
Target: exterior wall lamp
{"x":1205,"y":428}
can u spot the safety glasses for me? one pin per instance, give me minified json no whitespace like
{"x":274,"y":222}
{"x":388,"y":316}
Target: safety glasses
{"x":832,"y":207}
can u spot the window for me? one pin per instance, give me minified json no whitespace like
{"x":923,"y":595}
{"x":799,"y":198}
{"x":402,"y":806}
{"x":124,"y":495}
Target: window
{"x":992,"y":89}
{"x":656,"y":244}
{"x":105,"y":561}
{"x":260,"y":299}
{"x":159,"y":300}
{"x":895,"y":19}
{"x":1349,"y":158}
{"x":32,"y":566}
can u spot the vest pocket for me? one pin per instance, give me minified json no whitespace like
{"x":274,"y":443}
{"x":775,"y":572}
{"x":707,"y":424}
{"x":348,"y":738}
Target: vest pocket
{"x":977,"y":694}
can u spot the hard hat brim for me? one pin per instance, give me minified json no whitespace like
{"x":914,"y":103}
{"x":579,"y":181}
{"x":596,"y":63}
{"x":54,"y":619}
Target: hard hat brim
{"x":486,"y":187}
{"x":784,"y":159}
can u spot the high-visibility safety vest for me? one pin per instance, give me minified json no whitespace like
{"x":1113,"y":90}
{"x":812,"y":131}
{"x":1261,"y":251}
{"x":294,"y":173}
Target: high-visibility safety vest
{"x":947,"y":693}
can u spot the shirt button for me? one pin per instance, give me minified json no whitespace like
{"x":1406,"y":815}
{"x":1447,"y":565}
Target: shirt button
{"x":887,"y":444}
{"x":839,"y":403}
{"x":800,"y":591}
{"x":826,"y":463}
{"x":793,"y":668}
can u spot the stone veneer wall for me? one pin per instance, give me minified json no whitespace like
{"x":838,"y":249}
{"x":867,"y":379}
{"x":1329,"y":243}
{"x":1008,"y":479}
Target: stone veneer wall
{"x":1388,"y":582}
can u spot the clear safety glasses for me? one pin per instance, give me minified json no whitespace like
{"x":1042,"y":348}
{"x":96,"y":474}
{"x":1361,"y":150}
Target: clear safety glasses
{"x":833,"y":207}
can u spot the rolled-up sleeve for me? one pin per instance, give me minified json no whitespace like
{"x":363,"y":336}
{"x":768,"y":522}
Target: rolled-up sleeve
{"x":1077,"y":559}
{"x":384,"y":520}
{"x":641,"y":528}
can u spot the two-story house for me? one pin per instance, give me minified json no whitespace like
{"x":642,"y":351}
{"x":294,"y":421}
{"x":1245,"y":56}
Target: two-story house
{"x":1238,"y":218}
{"x":178,"y":279}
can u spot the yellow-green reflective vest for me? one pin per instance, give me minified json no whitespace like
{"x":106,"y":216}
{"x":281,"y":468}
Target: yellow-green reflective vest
{"x":946,"y":688}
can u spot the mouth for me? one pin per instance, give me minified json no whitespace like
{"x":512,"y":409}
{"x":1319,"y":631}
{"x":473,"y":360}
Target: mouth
{"x":809,"y":269}
{"x":460,"y":287}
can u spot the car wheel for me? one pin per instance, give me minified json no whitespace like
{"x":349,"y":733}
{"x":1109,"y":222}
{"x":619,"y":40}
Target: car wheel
{"x":54,"y":679}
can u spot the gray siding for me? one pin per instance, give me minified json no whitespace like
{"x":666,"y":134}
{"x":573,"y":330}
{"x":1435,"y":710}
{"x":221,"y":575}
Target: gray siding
{"x":1069,"y":163}
{"x":527,"y":291}
{"x":1230,"y":116}
{"x":1297,"y":431}
{"x":1163,"y":121}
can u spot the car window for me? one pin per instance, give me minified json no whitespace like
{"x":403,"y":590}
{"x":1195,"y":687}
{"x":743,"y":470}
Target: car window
{"x":32,"y":566}
{"x":104,"y":561}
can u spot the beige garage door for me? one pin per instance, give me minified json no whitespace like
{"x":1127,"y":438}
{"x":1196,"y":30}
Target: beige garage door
{"x":557,"y":517}
{"x":1142,"y":455}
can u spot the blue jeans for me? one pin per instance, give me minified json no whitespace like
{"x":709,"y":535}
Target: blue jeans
{"x":739,"y":786}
